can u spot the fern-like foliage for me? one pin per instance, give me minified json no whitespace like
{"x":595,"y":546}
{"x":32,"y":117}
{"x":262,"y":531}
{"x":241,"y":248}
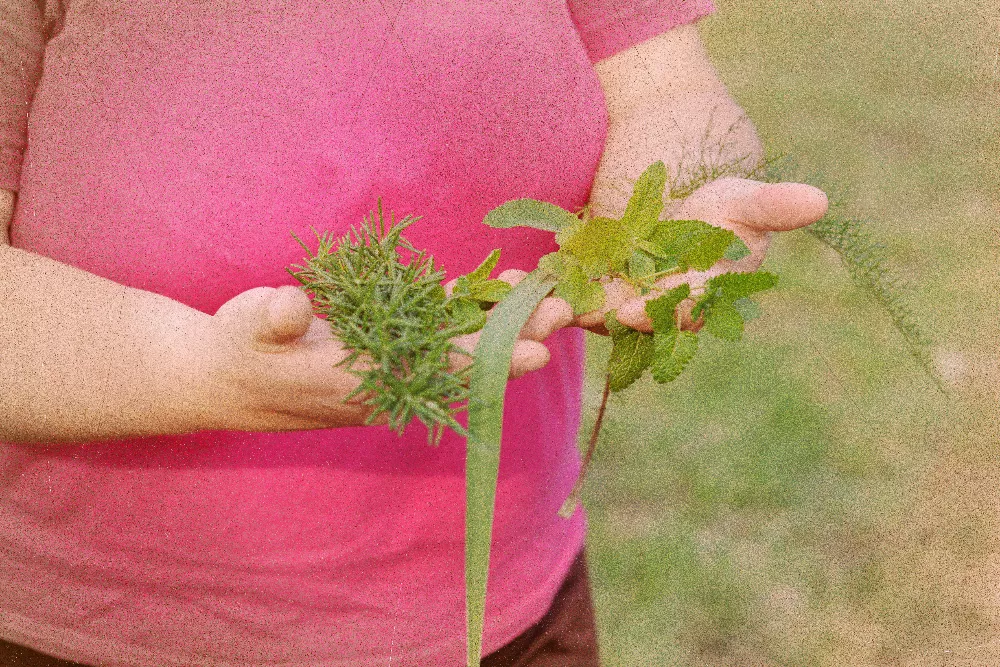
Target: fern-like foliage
{"x":869,"y":268}
{"x":868,"y":265}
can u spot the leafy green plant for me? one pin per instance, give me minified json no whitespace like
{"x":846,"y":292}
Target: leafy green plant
{"x":397,"y":321}
{"x":384,"y":300}
{"x":865,"y":258}
{"x":868,"y":265}
{"x":639,"y":248}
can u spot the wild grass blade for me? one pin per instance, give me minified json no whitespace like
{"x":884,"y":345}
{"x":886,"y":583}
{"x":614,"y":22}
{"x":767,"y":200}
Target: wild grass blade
{"x":487,"y":384}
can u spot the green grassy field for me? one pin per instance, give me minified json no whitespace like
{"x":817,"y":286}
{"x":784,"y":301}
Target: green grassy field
{"x":806,"y":496}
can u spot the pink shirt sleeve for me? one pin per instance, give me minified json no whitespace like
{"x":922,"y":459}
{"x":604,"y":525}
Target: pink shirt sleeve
{"x":610,"y":26}
{"x":21,"y":44}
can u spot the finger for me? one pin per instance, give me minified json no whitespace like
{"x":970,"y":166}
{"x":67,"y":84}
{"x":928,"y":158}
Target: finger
{"x":632,"y":313}
{"x":528,"y":356}
{"x":284,"y":316}
{"x":688,"y":323}
{"x":549,"y":316}
{"x":466,"y":345}
{"x":512,"y":276}
{"x":616,"y":292}
{"x":449,"y":286}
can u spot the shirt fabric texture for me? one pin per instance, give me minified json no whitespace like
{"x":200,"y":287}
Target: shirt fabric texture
{"x":172,"y":146}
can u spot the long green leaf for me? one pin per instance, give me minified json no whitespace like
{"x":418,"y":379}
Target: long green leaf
{"x":529,"y":213}
{"x":487,"y":385}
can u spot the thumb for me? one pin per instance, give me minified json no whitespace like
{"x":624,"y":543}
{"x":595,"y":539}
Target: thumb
{"x":284,"y":315}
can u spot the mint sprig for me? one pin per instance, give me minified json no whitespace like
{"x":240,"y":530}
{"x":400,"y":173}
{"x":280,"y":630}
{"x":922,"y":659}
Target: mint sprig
{"x":474,"y":294}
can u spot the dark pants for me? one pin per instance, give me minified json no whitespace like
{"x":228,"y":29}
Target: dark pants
{"x":564,"y":637}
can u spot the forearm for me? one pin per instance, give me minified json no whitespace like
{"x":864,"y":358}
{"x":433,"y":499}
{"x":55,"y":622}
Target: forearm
{"x":83,"y":358}
{"x":666,"y":102}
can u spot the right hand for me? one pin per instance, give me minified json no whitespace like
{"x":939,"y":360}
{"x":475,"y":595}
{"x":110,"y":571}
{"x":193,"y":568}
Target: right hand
{"x":274,"y":365}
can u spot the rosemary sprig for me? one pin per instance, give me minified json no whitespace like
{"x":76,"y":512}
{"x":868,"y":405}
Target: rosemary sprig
{"x":395,"y":318}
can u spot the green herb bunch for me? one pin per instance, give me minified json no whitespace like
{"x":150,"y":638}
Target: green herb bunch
{"x":397,"y":321}
{"x":640,"y":249}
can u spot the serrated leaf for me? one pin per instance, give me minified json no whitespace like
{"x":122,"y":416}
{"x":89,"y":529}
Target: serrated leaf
{"x":671,"y":353}
{"x":693,"y":244}
{"x":555,"y":263}
{"x":661,"y":310}
{"x":490,"y":291}
{"x":580,"y":292}
{"x":735,"y":286}
{"x":650,"y":248}
{"x":747,"y":308}
{"x":640,"y":265}
{"x":483,"y":271}
{"x":574,"y":285}
{"x":731,"y":287}
{"x":737,"y":250}
{"x":467,"y":315}
{"x":722,"y":320}
{"x":631,"y":353}
{"x":601,"y":246}
{"x":530,"y":213}
{"x":646,"y":203}
{"x":461,"y":288}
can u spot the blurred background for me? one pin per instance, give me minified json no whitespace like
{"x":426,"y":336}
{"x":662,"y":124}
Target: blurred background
{"x":807,"y":496}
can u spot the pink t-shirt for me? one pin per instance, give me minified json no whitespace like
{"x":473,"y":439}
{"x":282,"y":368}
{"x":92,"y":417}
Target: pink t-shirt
{"x":171,"y":146}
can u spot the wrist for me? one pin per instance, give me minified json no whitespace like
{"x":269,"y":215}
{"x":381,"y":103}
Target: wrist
{"x":181,"y":361}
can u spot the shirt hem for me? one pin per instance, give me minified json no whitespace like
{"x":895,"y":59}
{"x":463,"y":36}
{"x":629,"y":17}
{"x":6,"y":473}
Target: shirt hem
{"x":88,"y":649}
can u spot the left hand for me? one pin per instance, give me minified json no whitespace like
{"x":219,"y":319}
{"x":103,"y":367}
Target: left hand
{"x":666,"y":102}
{"x":530,"y":353}
{"x":751,"y":209}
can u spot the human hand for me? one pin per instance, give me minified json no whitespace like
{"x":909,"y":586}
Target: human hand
{"x":530,"y":354}
{"x":273,"y":365}
{"x":751,"y":209}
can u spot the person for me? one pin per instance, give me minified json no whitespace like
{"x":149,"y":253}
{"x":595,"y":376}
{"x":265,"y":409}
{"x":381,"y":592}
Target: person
{"x":181,"y":480}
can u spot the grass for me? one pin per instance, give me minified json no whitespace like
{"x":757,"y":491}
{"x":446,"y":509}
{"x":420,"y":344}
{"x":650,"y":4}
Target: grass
{"x":806,"y":496}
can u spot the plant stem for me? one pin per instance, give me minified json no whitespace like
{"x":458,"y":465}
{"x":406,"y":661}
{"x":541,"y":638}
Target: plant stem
{"x":569,"y":507}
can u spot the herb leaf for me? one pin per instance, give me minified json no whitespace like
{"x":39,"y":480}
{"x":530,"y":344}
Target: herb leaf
{"x":488,"y":383}
{"x":574,"y":285}
{"x":530,"y":213}
{"x":483,"y":271}
{"x":631,"y":353}
{"x":489,"y":291}
{"x":672,"y":351}
{"x":718,"y":305}
{"x":600,"y":245}
{"x":468,"y":315}
{"x":662,"y":310}
{"x":737,"y":250}
{"x":748,"y":308}
{"x":690,"y":244}
{"x":646,"y":203}
{"x":724,"y":321}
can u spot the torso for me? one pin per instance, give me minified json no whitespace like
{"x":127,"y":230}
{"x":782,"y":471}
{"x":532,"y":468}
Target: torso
{"x":172,"y":147}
